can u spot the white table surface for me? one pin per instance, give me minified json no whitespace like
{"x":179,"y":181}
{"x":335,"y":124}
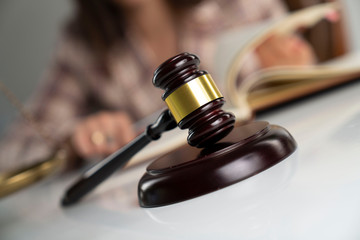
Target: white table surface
{"x":314,"y":194}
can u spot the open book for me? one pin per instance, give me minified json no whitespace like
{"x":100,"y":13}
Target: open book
{"x":269,"y":87}
{"x":258,"y":91}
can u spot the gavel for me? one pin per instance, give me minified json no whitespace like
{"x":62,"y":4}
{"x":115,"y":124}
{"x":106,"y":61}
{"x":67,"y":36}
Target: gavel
{"x":218,"y":154}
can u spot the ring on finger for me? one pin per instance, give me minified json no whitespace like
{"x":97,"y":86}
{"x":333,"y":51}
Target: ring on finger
{"x":98,"y":138}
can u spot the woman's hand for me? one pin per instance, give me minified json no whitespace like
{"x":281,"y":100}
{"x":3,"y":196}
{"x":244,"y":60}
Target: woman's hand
{"x":102,"y":134}
{"x":280,"y":50}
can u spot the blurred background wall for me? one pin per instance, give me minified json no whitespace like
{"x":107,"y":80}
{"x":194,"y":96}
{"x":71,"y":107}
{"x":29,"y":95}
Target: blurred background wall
{"x":28,"y":33}
{"x":352,"y":8}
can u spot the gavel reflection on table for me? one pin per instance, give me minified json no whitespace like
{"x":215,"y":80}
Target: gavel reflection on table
{"x":219,"y":153}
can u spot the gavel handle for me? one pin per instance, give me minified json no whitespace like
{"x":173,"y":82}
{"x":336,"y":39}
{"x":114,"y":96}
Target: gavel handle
{"x":102,"y":170}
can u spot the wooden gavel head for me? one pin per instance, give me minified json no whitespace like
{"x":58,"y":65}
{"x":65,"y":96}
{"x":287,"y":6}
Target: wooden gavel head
{"x":194,"y":100}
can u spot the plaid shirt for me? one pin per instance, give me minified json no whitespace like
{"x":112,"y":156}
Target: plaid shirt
{"x":75,"y":87}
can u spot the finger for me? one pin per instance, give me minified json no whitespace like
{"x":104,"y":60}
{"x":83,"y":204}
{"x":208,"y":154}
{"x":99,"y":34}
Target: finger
{"x":267,"y":55}
{"x":105,"y":122}
{"x":109,"y":126}
{"x":81,"y":140}
{"x":303,"y":51}
{"x":332,"y":16}
{"x":97,"y":134}
{"x":296,"y":43}
{"x":287,"y":50}
{"x":281,"y":47}
{"x":118,"y":131}
{"x":125,"y":131}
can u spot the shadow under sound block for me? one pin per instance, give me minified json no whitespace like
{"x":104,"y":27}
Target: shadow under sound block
{"x":189,"y":172}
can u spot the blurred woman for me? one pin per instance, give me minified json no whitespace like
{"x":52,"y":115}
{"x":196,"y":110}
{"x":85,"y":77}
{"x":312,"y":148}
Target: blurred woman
{"x":99,"y":83}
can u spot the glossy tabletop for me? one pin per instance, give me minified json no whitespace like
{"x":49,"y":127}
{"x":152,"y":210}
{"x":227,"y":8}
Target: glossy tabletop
{"x":313,"y":194}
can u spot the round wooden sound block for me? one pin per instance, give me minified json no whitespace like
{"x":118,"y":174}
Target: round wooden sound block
{"x":190,"y":172}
